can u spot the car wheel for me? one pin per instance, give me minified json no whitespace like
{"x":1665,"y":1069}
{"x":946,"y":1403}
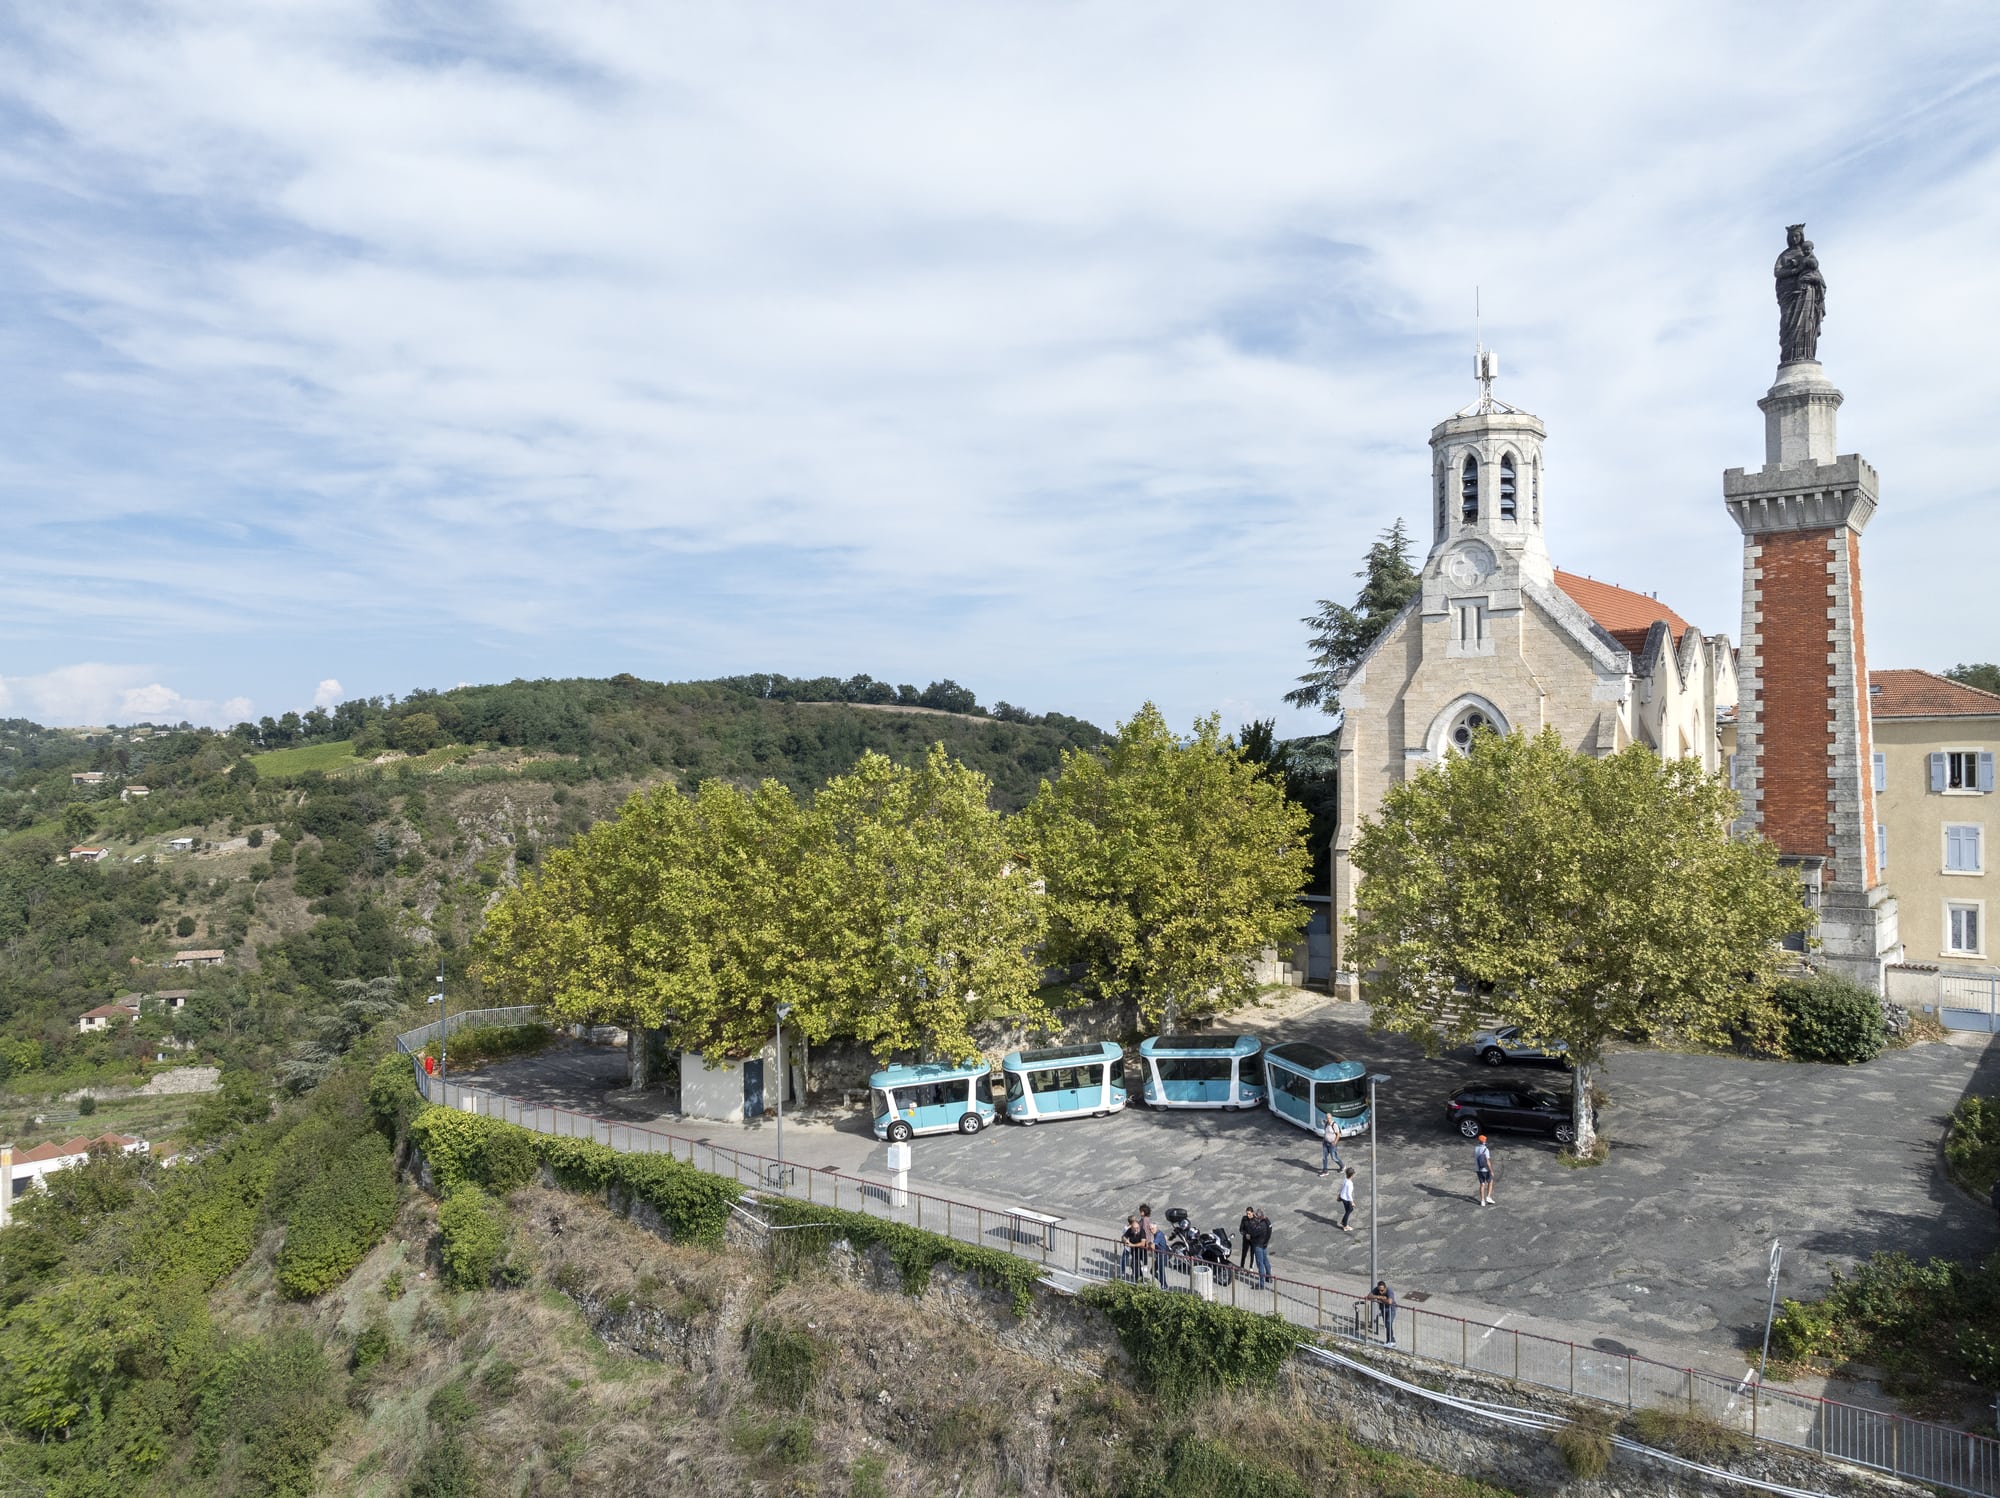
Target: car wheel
{"x":969,"y":1124}
{"x":1565,"y":1133}
{"x":1471,"y":1128}
{"x":899,"y":1132}
{"x":1493,"y":1056}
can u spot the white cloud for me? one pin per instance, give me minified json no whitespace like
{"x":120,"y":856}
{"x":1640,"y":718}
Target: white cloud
{"x":1071,"y":353}
{"x":95,"y":693}
{"x":327,"y":693}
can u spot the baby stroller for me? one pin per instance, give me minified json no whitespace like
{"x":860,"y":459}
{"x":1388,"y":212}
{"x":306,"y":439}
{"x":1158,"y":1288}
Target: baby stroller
{"x":1187,"y":1246}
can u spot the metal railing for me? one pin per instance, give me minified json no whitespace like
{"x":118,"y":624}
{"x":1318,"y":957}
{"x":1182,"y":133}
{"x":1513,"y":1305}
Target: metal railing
{"x":1889,"y":1442}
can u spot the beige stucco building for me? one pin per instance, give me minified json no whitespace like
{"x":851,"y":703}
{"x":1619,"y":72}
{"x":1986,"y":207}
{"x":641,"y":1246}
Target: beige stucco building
{"x":1935,"y":741}
{"x":1500,"y":637}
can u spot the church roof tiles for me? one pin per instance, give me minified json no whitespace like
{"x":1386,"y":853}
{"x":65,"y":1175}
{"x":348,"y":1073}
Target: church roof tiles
{"x":1924,"y":694}
{"x":1626,"y":616}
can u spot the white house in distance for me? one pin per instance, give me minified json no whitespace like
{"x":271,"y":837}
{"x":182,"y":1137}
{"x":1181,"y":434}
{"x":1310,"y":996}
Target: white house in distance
{"x":133,"y":792}
{"x":82,"y":854}
{"x":86,"y":777}
{"x":104,"y":1016}
{"x":180,"y":845}
{"x":205,"y":957}
{"x":21,"y":1171}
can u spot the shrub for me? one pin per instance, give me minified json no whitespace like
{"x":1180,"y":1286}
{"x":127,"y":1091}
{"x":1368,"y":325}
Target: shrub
{"x":1972,"y":1149}
{"x":392,"y":1093}
{"x":474,"y":1237}
{"x":479,"y":1043}
{"x":1922,"y":1324}
{"x":445,"y":1470}
{"x":1585,"y":1443}
{"x":812,"y":1229}
{"x":184,"y":926}
{"x":1198,"y":1466}
{"x":266,"y":1415}
{"x":1182,"y":1346}
{"x":338,"y":1217}
{"x":86,"y":1105}
{"x":1829,"y":1018}
{"x":374,"y":1346}
{"x":1693,"y":1434}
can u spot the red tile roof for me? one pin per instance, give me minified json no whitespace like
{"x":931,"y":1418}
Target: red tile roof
{"x":76,"y":1146}
{"x":110,"y":1011}
{"x":1626,"y":616}
{"x":1925,"y":694}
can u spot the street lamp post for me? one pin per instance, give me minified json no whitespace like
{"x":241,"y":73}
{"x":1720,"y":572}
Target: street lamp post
{"x":784,"y":1081}
{"x":1374,"y":1129}
{"x":444,"y":1009}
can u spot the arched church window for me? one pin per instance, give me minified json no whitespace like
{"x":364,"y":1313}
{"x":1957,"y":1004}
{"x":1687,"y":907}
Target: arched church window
{"x":1506,"y":486}
{"x":1467,"y":726}
{"x":1468,"y":490}
{"x":1440,"y":489}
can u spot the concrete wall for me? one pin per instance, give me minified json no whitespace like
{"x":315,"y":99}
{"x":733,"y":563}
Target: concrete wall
{"x":717,"y":1093}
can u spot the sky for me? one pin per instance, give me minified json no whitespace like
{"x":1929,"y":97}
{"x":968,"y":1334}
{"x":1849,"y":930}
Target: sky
{"x":1068,"y":351}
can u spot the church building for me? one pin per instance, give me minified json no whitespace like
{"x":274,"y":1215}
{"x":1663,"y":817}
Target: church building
{"x":1849,"y":773}
{"x":1502,"y":638}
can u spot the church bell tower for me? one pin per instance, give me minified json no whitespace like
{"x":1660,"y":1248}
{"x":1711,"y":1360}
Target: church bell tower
{"x":1804,"y":754}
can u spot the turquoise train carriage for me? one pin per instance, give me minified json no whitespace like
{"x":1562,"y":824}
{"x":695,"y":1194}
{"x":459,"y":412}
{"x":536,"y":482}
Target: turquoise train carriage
{"x":1069,"y":1081}
{"x":932,"y":1099}
{"x":1304,"y":1082}
{"x":1202,"y":1071}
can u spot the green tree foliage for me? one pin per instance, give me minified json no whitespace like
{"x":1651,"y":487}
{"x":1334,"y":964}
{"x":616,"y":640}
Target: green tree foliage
{"x":1342,"y":634}
{"x":1984,"y":675}
{"x":267,"y":1413}
{"x":473,"y":1230}
{"x":889,"y":911}
{"x":1183,"y":1347}
{"x":1168,"y":865}
{"x":1577,"y":897}
{"x":915,"y":917}
{"x":1309,"y":770}
{"x":1830,"y":1018}
{"x":337,"y":1216}
{"x":1972,"y":1148}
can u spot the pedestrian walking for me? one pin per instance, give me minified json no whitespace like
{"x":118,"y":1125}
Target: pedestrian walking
{"x":1383,"y":1296}
{"x":1243,"y":1231}
{"x":1482,"y":1167}
{"x":1260,"y":1247}
{"x":1346,"y":1199}
{"x":1329,"y":1144}
{"x":1129,"y":1267}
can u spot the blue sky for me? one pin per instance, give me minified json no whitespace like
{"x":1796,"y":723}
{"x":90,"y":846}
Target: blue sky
{"x":1068,"y":351}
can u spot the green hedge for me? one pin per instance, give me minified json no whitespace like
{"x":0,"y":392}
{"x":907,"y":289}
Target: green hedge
{"x":812,"y":1229}
{"x":498,"y":1156}
{"x":1927,"y":1326}
{"x":337,"y":1217}
{"x":475,"y":1044}
{"x":1972,"y":1149}
{"x":1182,"y":1346}
{"x":1834,"y":1019}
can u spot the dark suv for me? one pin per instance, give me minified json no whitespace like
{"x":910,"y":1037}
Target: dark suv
{"x":1481,"y":1109}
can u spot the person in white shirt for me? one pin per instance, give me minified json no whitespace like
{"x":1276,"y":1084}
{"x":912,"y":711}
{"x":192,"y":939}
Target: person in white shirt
{"x":1347,"y":1199}
{"x":1482,"y":1167}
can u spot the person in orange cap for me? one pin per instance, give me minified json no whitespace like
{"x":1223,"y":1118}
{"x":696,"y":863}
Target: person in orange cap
{"x":1482,"y":1166}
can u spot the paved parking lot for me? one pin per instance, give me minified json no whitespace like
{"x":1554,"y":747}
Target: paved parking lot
{"x":1662,"y":1248}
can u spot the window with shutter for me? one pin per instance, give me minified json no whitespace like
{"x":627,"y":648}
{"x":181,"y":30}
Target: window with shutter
{"x":1962,"y":852}
{"x":1937,"y":772}
{"x":1986,"y":774}
{"x":1881,"y":848}
{"x":1881,"y":773}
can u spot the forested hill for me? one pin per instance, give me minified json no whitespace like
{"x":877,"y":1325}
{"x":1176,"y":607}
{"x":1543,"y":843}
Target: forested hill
{"x":795,"y":730}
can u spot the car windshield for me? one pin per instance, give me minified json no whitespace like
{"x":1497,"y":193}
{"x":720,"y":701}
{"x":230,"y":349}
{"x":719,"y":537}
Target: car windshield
{"x":1543,"y":1100}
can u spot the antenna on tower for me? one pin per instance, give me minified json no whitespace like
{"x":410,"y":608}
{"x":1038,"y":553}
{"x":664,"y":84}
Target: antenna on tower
{"x":1485,"y":367}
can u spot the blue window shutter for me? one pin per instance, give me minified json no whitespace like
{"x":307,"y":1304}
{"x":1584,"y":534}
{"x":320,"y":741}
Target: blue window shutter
{"x":1975,"y":856}
{"x":1986,"y":773}
{"x":1951,"y":849}
{"x":1937,"y":772}
{"x":1881,"y":773}
{"x":1881,"y":848}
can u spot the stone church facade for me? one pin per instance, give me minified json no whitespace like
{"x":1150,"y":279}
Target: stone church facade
{"x":1850,"y":773}
{"x":1499,"y":637}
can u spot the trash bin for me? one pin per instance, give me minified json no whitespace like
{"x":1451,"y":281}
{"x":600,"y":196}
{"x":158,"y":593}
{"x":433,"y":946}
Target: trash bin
{"x":1202,"y":1278}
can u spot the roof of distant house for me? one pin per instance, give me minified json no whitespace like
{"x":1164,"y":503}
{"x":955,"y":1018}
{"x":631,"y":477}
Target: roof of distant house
{"x":1626,"y":616}
{"x":196,"y":955}
{"x":76,"y":1146}
{"x":109,"y":1011}
{"x":1925,"y":694}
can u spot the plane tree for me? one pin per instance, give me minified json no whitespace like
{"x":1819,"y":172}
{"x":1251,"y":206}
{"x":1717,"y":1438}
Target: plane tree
{"x":1580,"y":897}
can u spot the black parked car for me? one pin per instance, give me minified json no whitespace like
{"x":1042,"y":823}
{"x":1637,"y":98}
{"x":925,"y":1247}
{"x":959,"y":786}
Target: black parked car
{"x":1482,"y":1109}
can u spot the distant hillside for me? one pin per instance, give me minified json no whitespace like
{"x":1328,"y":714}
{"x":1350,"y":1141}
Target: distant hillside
{"x":331,"y":849}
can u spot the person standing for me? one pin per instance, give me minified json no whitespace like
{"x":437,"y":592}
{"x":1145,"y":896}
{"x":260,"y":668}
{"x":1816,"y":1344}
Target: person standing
{"x":1243,"y":1232}
{"x":1160,"y":1256}
{"x":1260,"y":1247}
{"x":1482,"y":1168}
{"x":1347,"y":1199}
{"x":1329,"y":1144}
{"x":1383,"y":1296}
{"x":1129,"y":1267}
{"x":1145,"y":1235}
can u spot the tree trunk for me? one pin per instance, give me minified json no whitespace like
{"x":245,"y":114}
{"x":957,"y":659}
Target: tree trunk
{"x":638,"y":1058}
{"x":1586,"y":1132}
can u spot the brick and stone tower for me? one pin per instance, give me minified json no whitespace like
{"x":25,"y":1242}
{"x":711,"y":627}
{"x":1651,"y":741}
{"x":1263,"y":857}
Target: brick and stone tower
{"x":1804,"y":758}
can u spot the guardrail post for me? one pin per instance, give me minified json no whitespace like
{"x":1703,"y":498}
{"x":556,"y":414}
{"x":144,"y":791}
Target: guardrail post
{"x":1572,"y":1367}
{"x":1464,"y":1350}
{"x":1517,"y":1357}
{"x":1689,"y":1373}
{"x":1628,"y":1381}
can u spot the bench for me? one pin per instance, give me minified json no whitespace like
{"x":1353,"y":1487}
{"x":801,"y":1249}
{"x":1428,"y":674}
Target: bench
{"x":1028,"y":1225}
